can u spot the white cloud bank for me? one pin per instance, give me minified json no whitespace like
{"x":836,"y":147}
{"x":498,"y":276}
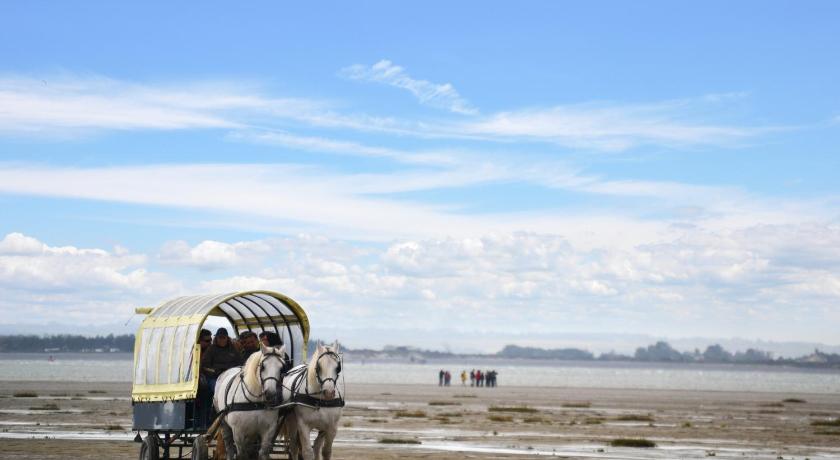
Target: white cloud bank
{"x":768,"y":281}
{"x":746,"y":282}
{"x":77,"y":286}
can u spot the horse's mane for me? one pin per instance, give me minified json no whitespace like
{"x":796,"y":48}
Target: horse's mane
{"x":310,"y":371}
{"x":251,"y":371}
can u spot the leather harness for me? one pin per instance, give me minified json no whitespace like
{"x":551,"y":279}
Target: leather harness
{"x":296,"y":397}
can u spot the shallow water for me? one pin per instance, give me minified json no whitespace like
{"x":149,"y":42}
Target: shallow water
{"x":106,"y":367}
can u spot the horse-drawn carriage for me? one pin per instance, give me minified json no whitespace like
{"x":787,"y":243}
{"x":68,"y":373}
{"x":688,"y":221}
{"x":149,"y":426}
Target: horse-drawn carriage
{"x":165,"y":391}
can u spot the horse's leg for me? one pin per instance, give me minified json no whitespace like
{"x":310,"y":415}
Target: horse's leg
{"x":267,"y":442}
{"x":290,"y":428}
{"x":319,"y":443}
{"x":303,"y":436}
{"x":329,"y":436}
{"x":242,"y":447}
{"x":227,"y":436}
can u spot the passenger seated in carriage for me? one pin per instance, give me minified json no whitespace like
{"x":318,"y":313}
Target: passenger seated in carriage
{"x":249,"y":343}
{"x":272,"y":339}
{"x":221,"y":356}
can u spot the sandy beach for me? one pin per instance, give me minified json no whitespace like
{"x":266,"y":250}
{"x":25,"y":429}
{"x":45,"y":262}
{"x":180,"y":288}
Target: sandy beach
{"x":58,"y":420}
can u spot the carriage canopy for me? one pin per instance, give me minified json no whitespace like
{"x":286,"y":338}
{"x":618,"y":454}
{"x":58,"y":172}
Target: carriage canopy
{"x":166,"y":352}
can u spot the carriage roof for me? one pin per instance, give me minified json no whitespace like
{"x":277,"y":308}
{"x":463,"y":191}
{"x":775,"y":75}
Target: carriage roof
{"x":166,"y":352}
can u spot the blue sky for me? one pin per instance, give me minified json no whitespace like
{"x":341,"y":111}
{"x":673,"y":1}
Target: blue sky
{"x":423,"y":171}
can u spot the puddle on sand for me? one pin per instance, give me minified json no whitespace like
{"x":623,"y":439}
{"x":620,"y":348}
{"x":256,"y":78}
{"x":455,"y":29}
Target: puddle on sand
{"x":586,"y":451}
{"x":570,"y":450}
{"x":84,"y":398}
{"x":38,"y":412}
{"x":48,"y":424}
{"x":69,"y":435}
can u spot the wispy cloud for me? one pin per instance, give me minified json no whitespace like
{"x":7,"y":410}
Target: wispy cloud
{"x":609,"y":127}
{"x":368,"y":205}
{"x":340,"y":147}
{"x":68,"y":105}
{"x":443,"y":95}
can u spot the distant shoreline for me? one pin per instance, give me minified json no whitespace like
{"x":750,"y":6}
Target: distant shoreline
{"x":472,"y":360}
{"x":660,"y":352}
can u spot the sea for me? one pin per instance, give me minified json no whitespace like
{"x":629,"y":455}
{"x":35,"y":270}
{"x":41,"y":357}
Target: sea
{"x":117,"y":367}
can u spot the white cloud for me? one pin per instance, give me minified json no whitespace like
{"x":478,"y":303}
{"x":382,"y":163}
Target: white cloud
{"x":361,"y":206}
{"x":20,"y":244}
{"x":71,"y":105}
{"x":35,"y":106}
{"x":210,"y":255}
{"x":326,"y":145}
{"x":432,"y":94}
{"x":528,"y":281}
{"x":26,"y":263}
{"x":608,"y":127}
{"x":78,"y":287}
{"x":303,"y":196}
{"x":778,"y":277}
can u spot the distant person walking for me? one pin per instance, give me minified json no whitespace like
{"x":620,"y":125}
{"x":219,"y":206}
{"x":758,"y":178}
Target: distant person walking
{"x":472,"y":378}
{"x":447,"y":378}
{"x":441,"y":375}
{"x":479,"y":378}
{"x":463,"y":378}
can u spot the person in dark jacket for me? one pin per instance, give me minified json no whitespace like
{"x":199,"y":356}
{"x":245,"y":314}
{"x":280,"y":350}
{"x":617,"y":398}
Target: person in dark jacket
{"x":220,"y":357}
{"x":204,"y":399}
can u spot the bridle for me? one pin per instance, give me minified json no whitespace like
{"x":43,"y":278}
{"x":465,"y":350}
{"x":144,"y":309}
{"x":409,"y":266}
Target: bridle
{"x":299,"y":380}
{"x":322,"y":381}
{"x":261,"y":367}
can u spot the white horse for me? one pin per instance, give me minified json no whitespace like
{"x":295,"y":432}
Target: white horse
{"x":246,"y":393}
{"x":318,"y":404}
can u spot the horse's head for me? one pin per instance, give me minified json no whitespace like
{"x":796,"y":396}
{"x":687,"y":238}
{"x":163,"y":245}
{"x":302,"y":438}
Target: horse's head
{"x":327,"y":363}
{"x":271,"y":363}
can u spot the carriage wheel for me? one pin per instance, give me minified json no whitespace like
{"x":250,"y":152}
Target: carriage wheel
{"x":149,"y":448}
{"x":199,"y":448}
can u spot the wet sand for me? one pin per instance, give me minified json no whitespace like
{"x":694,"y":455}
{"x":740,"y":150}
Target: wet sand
{"x":93,"y":421}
